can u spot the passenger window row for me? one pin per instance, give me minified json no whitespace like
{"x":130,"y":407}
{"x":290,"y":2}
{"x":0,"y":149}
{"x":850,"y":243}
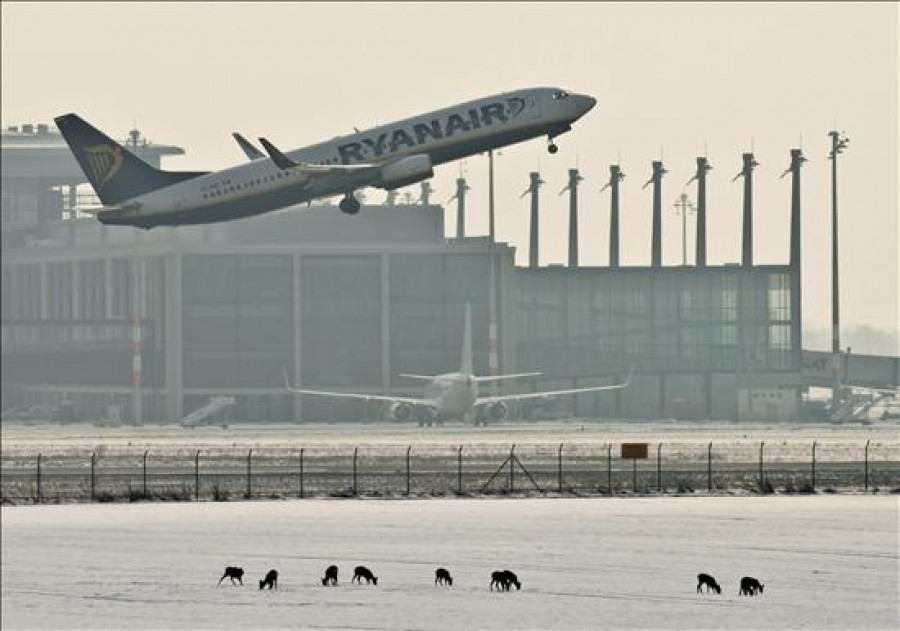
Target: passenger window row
{"x":259,"y":181}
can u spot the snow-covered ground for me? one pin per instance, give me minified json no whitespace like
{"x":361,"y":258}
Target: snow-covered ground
{"x":828,"y":562}
{"x":31,"y":438}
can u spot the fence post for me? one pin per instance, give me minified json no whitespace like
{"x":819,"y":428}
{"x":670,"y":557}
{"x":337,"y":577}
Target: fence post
{"x":355,"y":489}
{"x":40,"y":495}
{"x":609,"y":467}
{"x":93,"y":475}
{"x":559,"y":467}
{"x":301,"y":473}
{"x":144,"y":473}
{"x":659,"y":467}
{"x":814,"y":466}
{"x":249,"y":460}
{"x":866,"y":470}
{"x":761,"y":445}
{"x":459,"y":487}
{"x":512,"y":469}
{"x":407,"y":468}
{"x":197,"y":476}
{"x":709,"y":484}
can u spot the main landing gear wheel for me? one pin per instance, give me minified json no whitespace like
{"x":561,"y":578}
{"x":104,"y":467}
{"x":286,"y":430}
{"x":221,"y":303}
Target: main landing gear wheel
{"x":349,"y":205}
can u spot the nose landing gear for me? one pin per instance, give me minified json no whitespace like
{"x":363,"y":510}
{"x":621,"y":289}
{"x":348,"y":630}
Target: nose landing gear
{"x":551,"y":146}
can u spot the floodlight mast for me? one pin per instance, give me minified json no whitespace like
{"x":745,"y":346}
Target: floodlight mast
{"x":839,"y":142}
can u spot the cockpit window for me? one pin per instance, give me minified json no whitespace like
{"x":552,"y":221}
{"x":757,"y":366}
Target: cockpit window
{"x":560,"y":94}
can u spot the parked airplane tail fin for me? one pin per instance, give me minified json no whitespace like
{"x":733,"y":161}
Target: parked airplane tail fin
{"x":115,"y":173}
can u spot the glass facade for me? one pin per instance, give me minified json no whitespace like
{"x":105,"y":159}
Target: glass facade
{"x":237,"y":320}
{"x":594,"y":322}
{"x":361,"y":319}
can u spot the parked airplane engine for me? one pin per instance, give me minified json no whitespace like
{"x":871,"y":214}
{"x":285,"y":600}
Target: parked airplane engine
{"x":406,"y":171}
{"x":497,"y":411}
{"x":401,"y":411}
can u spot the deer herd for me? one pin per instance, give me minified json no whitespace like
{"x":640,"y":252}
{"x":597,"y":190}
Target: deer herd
{"x":502,"y":580}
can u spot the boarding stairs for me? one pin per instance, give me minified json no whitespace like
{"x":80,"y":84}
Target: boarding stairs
{"x":208,"y":413}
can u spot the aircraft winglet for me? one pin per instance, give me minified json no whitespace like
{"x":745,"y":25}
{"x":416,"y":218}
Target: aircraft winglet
{"x":251,"y":152}
{"x":280,"y":160}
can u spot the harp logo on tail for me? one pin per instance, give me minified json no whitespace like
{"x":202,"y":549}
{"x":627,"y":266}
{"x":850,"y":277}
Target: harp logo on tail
{"x":105,"y":161}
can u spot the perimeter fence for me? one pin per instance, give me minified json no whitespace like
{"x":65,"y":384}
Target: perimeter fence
{"x":112,"y":474}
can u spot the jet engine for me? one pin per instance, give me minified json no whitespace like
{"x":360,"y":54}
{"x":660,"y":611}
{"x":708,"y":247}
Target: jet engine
{"x":497,"y":411}
{"x":406,"y":171}
{"x":401,"y":411}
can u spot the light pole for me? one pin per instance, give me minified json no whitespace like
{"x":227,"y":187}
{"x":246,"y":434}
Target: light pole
{"x":838,"y":144}
{"x":683,"y":206}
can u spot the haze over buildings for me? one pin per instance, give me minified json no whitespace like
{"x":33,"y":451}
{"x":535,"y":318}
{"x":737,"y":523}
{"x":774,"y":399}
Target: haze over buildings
{"x":674,"y":80}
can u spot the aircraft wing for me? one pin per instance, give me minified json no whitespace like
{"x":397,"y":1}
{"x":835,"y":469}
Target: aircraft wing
{"x":549,"y":393}
{"x":311,"y":170}
{"x":359,"y":396}
{"x":520,"y":375}
{"x":365,"y":397}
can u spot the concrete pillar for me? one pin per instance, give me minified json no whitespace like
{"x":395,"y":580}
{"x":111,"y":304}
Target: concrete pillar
{"x":173,"y":341}
{"x":796,"y":260}
{"x":385,"y":324}
{"x":702,"y":168}
{"x":534,"y":233}
{"x":574,"y":179}
{"x":615,"y":176}
{"x":656,"y":237}
{"x":461,"y":188}
{"x":298,"y":338}
{"x":747,"y":229}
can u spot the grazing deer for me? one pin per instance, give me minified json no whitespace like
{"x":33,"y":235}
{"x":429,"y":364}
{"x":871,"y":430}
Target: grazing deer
{"x":362,"y":572}
{"x":442,"y":577}
{"x":750,"y":587}
{"x":709,"y":581}
{"x":503,"y":580}
{"x":331,"y":573}
{"x":270,"y":581}
{"x":232,"y":573}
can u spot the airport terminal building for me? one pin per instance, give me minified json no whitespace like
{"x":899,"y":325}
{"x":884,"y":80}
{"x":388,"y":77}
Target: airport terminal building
{"x":150,"y":325}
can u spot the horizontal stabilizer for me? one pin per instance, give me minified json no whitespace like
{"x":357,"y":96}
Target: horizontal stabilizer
{"x":423,"y":377}
{"x":249,"y":150}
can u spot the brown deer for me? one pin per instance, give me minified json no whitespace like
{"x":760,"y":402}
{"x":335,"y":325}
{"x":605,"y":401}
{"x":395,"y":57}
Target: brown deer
{"x":442,"y":577}
{"x":362,"y":572}
{"x":709,"y":581}
{"x":232,"y":573}
{"x":503,"y":580}
{"x":270,"y":581}
{"x":750,"y":587}
{"x":331,"y":573}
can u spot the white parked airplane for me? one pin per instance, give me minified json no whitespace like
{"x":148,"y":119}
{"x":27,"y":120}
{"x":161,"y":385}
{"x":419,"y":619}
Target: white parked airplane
{"x":454,"y":395}
{"x":391,"y":156}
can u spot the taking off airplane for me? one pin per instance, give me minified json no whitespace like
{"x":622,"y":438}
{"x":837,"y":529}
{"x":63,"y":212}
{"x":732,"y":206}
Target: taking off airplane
{"x":390,"y":156}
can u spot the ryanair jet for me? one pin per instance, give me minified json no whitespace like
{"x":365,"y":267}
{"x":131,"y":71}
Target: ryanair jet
{"x":455,"y":395}
{"x":391,"y":156}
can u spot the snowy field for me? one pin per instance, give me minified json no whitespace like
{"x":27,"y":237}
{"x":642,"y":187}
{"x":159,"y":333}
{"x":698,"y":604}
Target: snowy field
{"x":828,"y":562}
{"x":31,"y":438}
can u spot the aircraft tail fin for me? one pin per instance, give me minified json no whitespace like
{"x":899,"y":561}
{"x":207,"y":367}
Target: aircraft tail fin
{"x":115,"y":173}
{"x":465,"y":366}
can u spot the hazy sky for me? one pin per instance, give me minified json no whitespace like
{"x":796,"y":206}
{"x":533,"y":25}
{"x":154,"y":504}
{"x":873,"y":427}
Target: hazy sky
{"x":673,"y":79}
